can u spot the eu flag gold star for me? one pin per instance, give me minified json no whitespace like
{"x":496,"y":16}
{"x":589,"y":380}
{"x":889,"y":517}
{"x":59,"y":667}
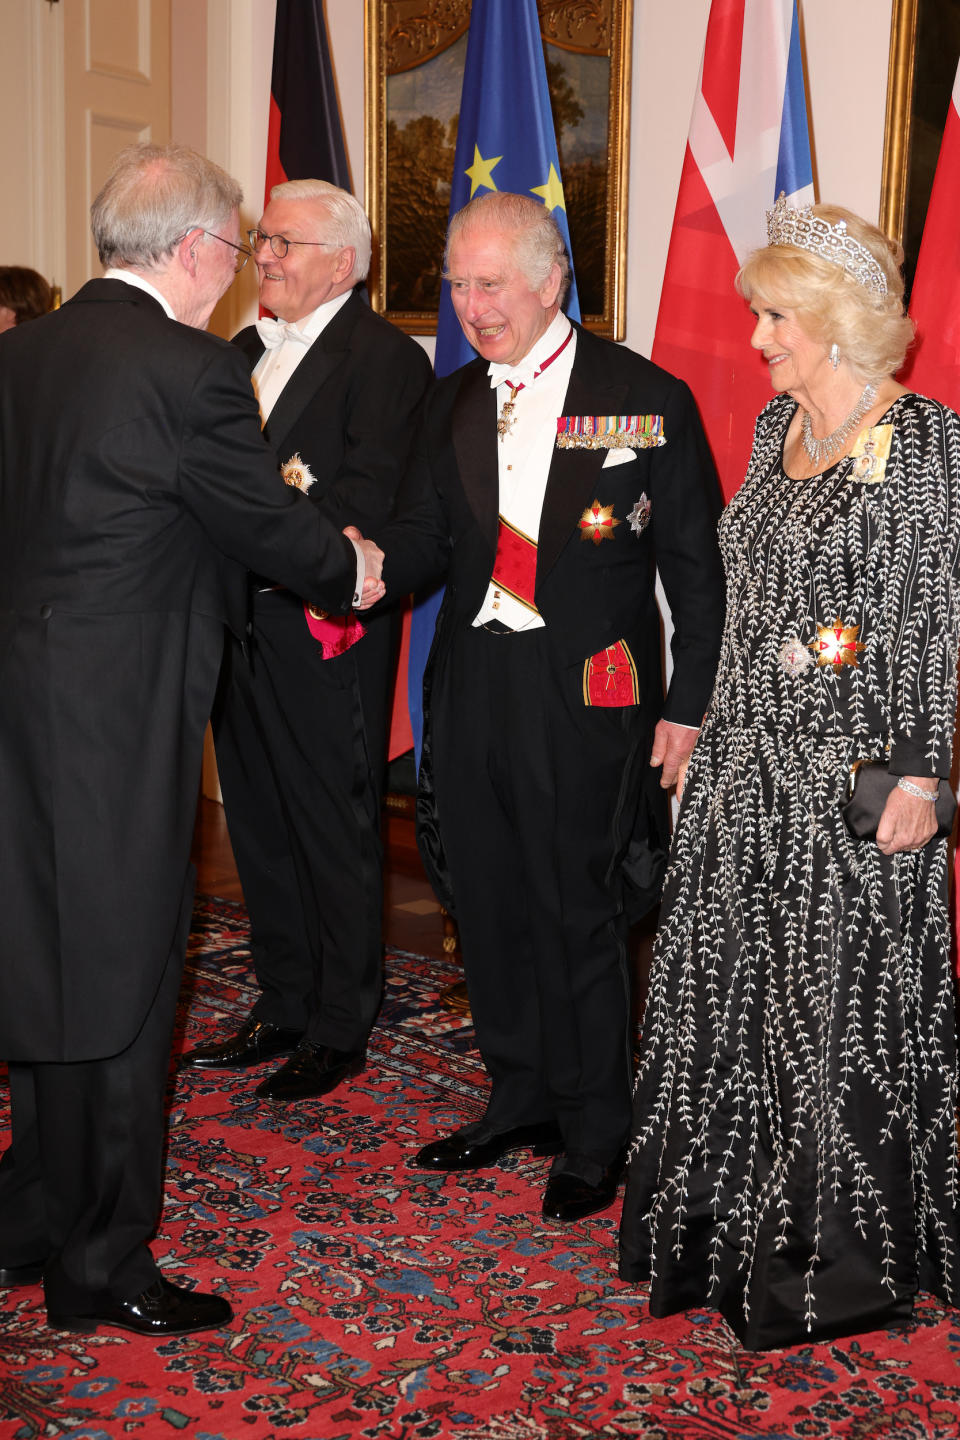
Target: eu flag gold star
{"x":480,"y":171}
{"x":552,"y":192}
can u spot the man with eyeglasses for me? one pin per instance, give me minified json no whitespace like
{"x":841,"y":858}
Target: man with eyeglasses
{"x":301,"y":721}
{"x":136,"y":490}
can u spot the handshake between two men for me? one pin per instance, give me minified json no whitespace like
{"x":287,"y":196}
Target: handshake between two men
{"x":373,"y":587}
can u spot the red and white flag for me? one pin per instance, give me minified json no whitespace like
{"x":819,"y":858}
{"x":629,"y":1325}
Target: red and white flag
{"x":933,"y":365}
{"x":748,"y":142}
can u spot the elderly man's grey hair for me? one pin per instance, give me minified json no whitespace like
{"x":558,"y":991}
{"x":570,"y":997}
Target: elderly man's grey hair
{"x":153,"y":196}
{"x":345,"y":221}
{"x":533,"y":234}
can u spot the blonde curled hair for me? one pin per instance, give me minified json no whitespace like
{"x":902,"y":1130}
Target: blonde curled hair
{"x":871,"y":331}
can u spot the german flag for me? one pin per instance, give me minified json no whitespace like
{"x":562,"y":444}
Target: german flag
{"x":305,"y":138}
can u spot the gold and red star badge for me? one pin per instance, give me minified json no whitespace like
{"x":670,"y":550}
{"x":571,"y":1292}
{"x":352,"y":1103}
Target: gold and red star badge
{"x":837,"y":644}
{"x":597,"y":523}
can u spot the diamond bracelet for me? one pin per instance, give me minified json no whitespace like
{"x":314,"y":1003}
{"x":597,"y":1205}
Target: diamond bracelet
{"x":916,"y":790}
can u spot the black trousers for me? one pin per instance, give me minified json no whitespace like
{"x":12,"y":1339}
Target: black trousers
{"x":301,"y":753}
{"x":536,"y":797}
{"x":81,"y":1183}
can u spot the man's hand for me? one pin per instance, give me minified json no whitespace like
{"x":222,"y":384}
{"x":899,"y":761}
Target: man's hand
{"x":373,"y":590}
{"x":672,"y":745}
{"x":373,"y":587}
{"x":372,"y":554}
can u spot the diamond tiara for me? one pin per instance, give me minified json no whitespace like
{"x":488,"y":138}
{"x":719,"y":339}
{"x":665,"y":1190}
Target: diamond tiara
{"x":806,"y":231}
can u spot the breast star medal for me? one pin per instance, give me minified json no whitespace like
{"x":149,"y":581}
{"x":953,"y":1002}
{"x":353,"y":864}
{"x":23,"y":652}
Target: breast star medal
{"x":837,"y":644}
{"x":794,"y":656}
{"x":597,"y":523}
{"x":639,"y":516}
{"x":297,"y":474}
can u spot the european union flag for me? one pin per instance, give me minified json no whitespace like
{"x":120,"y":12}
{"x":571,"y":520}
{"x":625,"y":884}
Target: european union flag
{"x":505,"y":136}
{"x":505,"y":141}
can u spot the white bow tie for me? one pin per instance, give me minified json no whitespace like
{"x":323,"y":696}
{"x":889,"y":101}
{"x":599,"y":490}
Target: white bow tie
{"x":514,"y":374}
{"x":275,"y":332}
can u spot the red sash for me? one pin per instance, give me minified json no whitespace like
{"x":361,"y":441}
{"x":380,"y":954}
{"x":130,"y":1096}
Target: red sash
{"x":515,"y":568}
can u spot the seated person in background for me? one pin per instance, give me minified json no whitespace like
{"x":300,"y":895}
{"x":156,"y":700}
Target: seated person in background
{"x":24,"y":295}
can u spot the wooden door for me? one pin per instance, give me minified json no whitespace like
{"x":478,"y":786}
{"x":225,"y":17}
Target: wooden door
{"x":116,"y":90}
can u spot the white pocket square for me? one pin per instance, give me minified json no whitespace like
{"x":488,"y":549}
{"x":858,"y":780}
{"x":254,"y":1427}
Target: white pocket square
{"x":618,"y":457}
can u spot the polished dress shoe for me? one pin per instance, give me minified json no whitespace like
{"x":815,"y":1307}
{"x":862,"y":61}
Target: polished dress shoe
{"x":13,"y":1275}
{"x":568,"y":1197}
{"x":470,"y":1148}
{"x":161,"y":1309}
{"x":254,"y":1042}
{"x":311,"y":1070}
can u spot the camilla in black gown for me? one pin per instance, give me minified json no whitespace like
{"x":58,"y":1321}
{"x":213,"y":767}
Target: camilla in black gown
{"x":794,"y":1154}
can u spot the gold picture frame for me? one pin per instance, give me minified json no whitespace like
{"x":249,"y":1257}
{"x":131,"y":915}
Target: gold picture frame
{"x":924,"y":50}
{"x":896,"y":133}
{"x":588,"y":47}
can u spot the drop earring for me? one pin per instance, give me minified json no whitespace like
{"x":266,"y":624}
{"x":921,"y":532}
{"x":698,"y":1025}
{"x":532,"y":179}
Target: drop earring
{"x":834,"y":356}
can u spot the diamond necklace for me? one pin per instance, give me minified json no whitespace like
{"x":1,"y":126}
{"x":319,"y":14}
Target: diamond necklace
{"x":818,"y":450}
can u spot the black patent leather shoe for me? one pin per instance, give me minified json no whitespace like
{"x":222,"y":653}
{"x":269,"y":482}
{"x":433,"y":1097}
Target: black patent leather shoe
{"x":311,"y":1070}
{"x":161,"y":1309}
{"x":568,"y":1197}
{"x":254,"y":1042}
{"x":12,"y":1276}
{"x":471,"y":1149}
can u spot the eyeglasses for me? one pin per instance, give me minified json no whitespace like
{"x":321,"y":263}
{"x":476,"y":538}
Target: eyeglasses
{"x":279,"y":244}
{"x":242,"y":255}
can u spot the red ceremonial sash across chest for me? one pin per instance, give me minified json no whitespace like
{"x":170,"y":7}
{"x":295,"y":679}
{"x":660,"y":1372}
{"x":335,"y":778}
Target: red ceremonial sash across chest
{"x":515,"y":568}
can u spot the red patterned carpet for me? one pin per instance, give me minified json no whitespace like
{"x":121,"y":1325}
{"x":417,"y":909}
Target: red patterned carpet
{"x":375,"y":1300}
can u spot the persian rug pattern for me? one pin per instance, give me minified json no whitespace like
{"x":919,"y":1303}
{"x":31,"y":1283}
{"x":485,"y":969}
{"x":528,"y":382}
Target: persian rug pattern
{"x":375,"y":1300}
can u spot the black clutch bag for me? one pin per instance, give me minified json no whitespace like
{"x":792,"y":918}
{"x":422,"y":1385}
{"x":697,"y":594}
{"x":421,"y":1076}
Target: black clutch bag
{"x":869,"y":786}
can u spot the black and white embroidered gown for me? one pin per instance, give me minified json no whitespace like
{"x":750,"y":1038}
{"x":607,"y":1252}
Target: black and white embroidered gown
{"x":794,"y":1159}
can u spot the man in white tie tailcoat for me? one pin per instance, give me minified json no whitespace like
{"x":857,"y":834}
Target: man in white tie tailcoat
{"x":301,"y":723}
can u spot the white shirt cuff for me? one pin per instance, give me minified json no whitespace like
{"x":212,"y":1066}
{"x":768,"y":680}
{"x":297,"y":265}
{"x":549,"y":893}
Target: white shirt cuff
{"x":361,"y":573}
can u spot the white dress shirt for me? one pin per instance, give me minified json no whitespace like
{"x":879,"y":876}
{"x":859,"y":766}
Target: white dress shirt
{"x":273,"y":370}
{"x":525,"y":452}
{"x":275,"y":366}
{"x":138,"y":282}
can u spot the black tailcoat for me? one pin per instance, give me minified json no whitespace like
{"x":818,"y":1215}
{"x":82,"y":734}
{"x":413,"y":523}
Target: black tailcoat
{"x":135,"y":489}
{"x":516,"y":764}
{"x":301,"y":741}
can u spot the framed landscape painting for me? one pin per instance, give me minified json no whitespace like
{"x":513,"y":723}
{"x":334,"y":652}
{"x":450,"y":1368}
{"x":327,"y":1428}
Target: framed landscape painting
{"x":415,"y":52}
